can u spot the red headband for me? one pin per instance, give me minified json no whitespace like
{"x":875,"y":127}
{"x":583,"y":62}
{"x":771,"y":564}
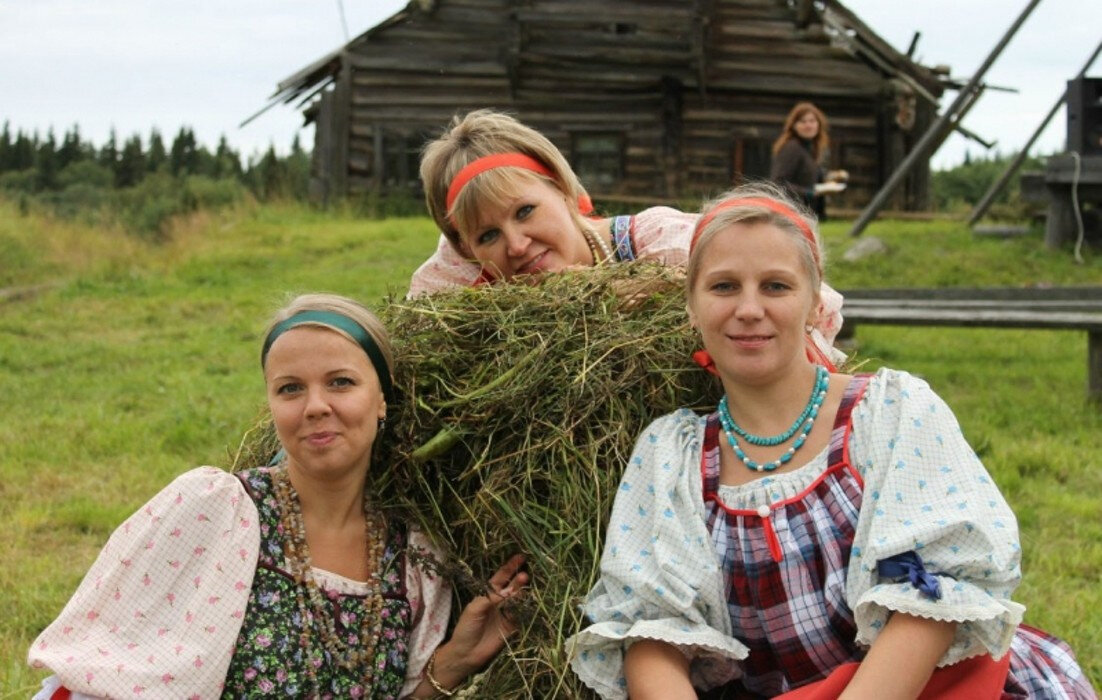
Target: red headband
{"x":503,"y":160}
{"x":770,"y":204}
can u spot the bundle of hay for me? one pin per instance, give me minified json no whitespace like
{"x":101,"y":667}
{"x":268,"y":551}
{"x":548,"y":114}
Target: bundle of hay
{"x":518,"y":409}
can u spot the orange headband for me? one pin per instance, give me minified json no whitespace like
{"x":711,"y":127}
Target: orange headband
{"x":503,"y":160}
{"x":770,"y":204}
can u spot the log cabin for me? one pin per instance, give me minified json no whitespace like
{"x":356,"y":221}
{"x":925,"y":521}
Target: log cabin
{"x":655,"y":100}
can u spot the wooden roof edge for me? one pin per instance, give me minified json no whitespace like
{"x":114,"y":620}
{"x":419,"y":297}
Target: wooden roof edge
{"x":328,"y":66}
{"x":835,"y":13}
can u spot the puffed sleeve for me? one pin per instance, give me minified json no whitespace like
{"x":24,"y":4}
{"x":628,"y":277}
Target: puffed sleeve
{"x":445,"y":269}
{"x":162,"y":605}
{"x":663,"y":234}
{"x":660,"y":578}
{"x":928,"y":499}
{"x":430,"y":599}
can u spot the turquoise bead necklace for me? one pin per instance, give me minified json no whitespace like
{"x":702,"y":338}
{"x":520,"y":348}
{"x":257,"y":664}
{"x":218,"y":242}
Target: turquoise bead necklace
{"x":806,"y":421}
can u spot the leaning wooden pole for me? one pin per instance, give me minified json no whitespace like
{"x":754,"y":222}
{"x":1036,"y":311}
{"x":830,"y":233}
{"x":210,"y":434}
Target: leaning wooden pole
{"x":997,"y":187}
{"x":920,"y":148}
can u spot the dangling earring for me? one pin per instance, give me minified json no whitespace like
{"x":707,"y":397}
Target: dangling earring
{"x":808,"y":328}
{"x":382,"y":424}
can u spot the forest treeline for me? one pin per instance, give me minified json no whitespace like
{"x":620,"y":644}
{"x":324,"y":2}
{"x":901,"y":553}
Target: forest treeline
{"x":143,"y":182}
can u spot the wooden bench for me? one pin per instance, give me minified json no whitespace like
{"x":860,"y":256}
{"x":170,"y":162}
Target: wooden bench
{"x":1053,"y":308}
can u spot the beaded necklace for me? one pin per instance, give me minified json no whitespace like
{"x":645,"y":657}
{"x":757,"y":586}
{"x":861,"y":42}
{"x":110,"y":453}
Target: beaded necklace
{"x":313,"y":604}
{"x":806,"y":420}
{"x":602,"y":251}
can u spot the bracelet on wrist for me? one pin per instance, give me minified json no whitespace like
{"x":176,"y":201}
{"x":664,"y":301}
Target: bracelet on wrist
{"x":430,"y":669}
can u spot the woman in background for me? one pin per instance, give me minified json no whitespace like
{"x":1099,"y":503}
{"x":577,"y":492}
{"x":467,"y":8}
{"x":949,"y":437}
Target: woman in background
{"x":798,"y":156}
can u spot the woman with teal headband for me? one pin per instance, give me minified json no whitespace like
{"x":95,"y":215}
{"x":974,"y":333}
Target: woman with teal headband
{"x":279,"y":580}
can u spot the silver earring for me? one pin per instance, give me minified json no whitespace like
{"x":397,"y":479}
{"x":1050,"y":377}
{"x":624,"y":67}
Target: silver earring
{"x":382,"y":424}
{"x":808,"y":328}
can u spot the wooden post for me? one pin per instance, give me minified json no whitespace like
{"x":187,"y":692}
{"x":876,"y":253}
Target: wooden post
{"x":342,"y":124}
{"x":1012,"y":168}
{"x":934,"y":133}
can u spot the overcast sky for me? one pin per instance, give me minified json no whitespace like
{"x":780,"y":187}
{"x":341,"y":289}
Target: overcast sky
{"x":209,"y":64}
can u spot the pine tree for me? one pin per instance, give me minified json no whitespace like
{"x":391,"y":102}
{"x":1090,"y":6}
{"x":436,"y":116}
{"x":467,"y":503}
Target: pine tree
{"x":109,"y":155}
{"x":297,"y":169}
{"x":270,"y":179}
{"x":131,"y":163}
{"x":72,"y":150}
{"x":6,"y":149}
{"x":157,"y":158}
{"x":227,"y":162}
{"x":22,"y":156}
{"x":45,"y":163}
{"x":183,"y":157}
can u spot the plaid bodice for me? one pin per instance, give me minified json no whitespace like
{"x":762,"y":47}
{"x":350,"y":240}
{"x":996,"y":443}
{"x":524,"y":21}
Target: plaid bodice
{"x":784,"y":563}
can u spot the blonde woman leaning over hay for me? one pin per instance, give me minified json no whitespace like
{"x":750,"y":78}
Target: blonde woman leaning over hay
{"x":818,"y":535}
{"x":284,"y":580}
{"x":509,"y":207}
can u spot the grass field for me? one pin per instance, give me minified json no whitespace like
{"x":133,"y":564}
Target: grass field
{"x":124,"y":363}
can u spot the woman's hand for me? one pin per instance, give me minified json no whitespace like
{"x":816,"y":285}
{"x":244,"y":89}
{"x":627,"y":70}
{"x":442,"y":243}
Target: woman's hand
{"x":482,"y":628}
{"x":480,"y":631}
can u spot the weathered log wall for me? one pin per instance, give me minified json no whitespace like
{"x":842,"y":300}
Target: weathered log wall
{"x":694,"y":92}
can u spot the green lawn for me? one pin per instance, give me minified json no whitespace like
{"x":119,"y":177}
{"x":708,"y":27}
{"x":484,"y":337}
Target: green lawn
{"x":126,"y":363}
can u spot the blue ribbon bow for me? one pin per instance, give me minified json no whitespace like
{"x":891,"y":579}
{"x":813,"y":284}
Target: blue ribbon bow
{"x":910,"y":565}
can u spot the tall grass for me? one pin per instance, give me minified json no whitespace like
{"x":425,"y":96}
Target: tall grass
{"x":124,"y":363}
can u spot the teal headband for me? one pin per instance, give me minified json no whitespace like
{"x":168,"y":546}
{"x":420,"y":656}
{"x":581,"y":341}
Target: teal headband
{"x":344,"y":323}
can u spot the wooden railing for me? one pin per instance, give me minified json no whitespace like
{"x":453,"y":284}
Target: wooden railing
{"x":1054,"y":308}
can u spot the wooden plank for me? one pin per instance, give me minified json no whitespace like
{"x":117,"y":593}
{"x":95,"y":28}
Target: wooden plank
{"x":442,"y":64}
{"x":1092,"y":292}
{"x":1070,"y":320}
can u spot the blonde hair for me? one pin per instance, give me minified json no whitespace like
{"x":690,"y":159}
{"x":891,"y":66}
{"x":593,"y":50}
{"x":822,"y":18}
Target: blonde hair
{"x":819,"y":144}
{"x":755,"y":213}
{"x":478,"y":134}
{"x":345,"y":307}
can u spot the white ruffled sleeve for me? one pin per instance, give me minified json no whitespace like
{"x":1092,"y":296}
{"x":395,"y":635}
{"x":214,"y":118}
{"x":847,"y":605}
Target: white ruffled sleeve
{"x":445,"y":269}
{"x":927,"y":492}
{"x":663,"y":234}
{"x":162,"y":605}
{"x":660,"y":578}
{"x":430,"y":599}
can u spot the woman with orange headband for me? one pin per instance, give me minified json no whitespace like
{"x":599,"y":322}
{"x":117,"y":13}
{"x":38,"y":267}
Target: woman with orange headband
{"x":818,"y":535}
{"x":509,"y":206}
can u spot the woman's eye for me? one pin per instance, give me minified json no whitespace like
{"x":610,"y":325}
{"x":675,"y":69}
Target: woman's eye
{"x":525,"y":211}
{"x":721,"y":287}
{"x":288,"y":388}
{"x":777,"y":287}
{"x":342,"y":382}
{"x":488,"y":237}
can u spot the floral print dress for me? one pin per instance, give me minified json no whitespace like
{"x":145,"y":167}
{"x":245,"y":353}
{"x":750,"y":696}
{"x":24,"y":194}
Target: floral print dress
{"x":269,"y":642}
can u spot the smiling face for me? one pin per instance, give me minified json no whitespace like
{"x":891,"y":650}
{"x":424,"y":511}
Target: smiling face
{"x":751,"y":299}
{"x":326,"y":402}
{"x":807,"y":126}
{"x":530,"y":232}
